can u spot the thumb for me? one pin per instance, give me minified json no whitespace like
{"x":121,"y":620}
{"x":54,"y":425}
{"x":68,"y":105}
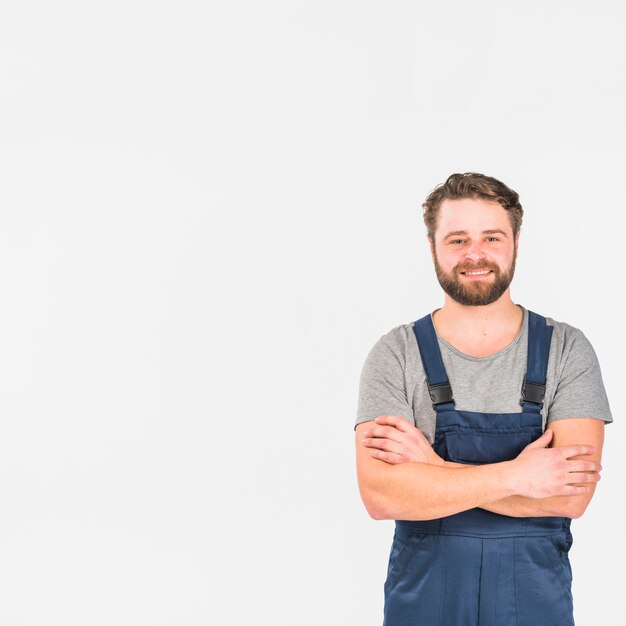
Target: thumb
{"x":542,"y":442}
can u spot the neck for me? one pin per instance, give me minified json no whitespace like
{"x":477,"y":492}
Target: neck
{"x":479,"y":330}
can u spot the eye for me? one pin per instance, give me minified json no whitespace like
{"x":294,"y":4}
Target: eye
{"x":457,"y":241}
{"x":492,"y":239}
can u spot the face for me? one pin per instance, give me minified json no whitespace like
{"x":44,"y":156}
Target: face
{"x":474,"y":250}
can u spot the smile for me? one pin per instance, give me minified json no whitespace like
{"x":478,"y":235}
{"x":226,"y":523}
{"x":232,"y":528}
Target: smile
{"x":477,"y":272}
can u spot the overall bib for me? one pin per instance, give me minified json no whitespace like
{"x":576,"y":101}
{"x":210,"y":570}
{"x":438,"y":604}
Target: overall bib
{"x":478,"y":568}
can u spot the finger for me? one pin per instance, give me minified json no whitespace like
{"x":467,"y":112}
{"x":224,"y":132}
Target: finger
{"x":386,"y":432}
{"x":402,"y":426}
{"x":574,"y":490}
{"x":583,"y":466}
{"x":388,"y":457}
{"x":382,"y":444}
{"x":395,"y":420}
{"x":582,"y":477}
{"x":543,"y":441}
{"x":570,"y":451}
{"x":586,"y":485}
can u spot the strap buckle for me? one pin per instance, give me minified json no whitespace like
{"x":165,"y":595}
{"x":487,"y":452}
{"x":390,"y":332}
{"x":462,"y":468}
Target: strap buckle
{"x":439,"y":394}
{"x":533,"y":392}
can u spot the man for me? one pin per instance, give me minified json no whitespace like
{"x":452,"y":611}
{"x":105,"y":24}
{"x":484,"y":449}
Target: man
{"x":451,"y":432}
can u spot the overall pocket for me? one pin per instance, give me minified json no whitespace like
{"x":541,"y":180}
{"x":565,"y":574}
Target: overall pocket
{"x":402,"y":548}
{"x":476,"y":447}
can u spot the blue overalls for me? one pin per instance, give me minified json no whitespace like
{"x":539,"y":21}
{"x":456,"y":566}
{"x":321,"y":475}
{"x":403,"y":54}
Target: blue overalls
{"x":478,"y":568}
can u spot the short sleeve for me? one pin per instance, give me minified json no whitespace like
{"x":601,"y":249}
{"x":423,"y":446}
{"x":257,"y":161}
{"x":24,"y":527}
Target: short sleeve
{"x":382,"y":388}
{"x":580,"y":390}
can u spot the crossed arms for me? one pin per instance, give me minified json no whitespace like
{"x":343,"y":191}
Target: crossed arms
{"x":401,"y":477}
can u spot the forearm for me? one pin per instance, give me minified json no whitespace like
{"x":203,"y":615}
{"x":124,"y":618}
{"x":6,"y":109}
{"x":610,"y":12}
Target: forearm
{"x":422,"y":490}
{"x":520,"y":506}
{"x":556,"y":506}
{"x":419,"y":491}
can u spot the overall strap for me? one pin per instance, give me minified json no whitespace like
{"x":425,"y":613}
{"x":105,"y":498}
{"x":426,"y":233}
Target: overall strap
{"x":539,"y":339}
{"x":436,"y":378}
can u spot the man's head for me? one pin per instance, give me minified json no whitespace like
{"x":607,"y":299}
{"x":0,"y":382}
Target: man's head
{"x":473,"y":224}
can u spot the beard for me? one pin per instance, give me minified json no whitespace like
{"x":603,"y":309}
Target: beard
{"x":478,"y":292}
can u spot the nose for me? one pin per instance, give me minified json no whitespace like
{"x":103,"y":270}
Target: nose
{"x":475,"y":252}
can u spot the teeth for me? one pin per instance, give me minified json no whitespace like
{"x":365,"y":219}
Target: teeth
{"x":478,"y":273}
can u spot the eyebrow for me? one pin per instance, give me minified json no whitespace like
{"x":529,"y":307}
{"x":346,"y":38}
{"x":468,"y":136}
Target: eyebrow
{"x":491,"y":231}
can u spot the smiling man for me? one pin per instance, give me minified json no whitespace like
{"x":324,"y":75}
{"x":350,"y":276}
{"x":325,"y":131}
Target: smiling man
{"x":479,"y":430}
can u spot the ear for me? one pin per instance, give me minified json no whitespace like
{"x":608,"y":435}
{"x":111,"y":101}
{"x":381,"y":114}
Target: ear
{"x":517,"y":239}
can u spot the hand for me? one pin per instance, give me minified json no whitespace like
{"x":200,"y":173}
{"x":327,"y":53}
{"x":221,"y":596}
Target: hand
{"x":544,"y":472}
{"x":394,"y":440}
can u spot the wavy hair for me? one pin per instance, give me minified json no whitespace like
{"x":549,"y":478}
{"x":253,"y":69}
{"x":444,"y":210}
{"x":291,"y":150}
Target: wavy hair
{"x":472,"y":185}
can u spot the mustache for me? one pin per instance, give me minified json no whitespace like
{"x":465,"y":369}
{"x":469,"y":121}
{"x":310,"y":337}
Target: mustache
{"x":472,"y":267}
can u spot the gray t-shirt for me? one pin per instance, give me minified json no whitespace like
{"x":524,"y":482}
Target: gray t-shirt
{"x":393,"y":381}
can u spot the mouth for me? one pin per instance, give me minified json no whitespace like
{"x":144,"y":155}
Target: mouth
{"x":476,"y":273}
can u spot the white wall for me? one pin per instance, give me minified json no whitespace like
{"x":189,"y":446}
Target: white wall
{"x":209,"y":212}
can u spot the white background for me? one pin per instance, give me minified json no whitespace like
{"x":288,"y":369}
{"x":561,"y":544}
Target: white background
{"x":209,"y":214}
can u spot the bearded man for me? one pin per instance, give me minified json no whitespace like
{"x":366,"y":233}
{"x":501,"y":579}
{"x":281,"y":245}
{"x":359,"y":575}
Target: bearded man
{"x":479,"y":430}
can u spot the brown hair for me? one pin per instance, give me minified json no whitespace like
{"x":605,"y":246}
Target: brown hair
{"x":472,"y":185}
